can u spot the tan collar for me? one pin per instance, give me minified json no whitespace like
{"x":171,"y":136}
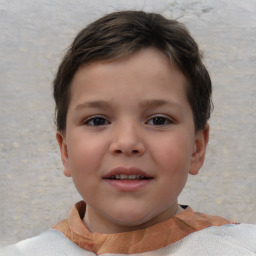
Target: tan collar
{"x":148,"y":239}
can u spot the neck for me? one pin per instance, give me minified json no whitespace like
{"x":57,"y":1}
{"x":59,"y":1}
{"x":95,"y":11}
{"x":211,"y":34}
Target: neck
{"x":97,"y":223}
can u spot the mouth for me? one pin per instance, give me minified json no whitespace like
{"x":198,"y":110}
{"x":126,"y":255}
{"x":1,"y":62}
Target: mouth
{"x":124,"y":173}
{"x":127,"y":179}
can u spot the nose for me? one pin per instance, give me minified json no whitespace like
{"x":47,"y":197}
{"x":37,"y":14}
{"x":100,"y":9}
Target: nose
{"x":127,"y":140}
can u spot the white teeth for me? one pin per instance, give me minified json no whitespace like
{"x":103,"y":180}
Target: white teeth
{"x":132,"y":177}
{"x":123,"y":176}
{"x":128,"y":177}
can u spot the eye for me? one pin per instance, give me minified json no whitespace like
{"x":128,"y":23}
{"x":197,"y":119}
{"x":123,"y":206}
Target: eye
{"x":159,"y":121}
{"x":96,"y":121}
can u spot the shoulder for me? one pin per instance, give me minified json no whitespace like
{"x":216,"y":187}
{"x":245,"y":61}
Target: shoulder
{"x":245,"y":233}
{"x":50,"y":242}
{"x":229,"y":239}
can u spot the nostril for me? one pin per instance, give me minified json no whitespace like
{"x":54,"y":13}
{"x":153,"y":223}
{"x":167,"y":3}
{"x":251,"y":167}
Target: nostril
{"x":127,"y":148}
{"x":135,"y":151}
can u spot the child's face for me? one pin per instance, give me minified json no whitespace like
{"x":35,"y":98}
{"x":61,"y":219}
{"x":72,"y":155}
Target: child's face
{"x":130,"y":117}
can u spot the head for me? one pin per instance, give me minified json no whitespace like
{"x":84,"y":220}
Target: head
{"x":132,"y":104}
{"x":122,"y":33}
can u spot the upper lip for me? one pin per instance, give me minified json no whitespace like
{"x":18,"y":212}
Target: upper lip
{"x":127,"y":171}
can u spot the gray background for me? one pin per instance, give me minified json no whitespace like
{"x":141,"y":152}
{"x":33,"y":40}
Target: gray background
{"x":34,"y":35}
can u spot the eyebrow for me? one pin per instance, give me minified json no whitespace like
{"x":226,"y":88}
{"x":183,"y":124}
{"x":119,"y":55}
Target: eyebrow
{"x":152,"y":103}
{"x":93,"y":104}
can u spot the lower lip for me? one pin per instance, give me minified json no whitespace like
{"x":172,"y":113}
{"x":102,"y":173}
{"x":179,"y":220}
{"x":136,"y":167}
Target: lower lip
{"x":128,"y":185}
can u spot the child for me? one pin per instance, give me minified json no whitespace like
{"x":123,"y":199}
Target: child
{"x":132,"y":103}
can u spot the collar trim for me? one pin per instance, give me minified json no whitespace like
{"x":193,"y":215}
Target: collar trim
{"x":148,"y":239}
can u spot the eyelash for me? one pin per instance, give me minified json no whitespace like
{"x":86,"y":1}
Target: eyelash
{"x":103,"y":121}
{"x":161,"y":118}
{"x":94,"y":118}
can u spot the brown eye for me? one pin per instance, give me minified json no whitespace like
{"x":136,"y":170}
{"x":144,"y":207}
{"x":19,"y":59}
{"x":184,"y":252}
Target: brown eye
{"x":97,"y":121}
{"x":159,"y":121}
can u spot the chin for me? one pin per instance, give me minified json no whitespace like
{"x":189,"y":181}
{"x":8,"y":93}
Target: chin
{"x":131,"y":218}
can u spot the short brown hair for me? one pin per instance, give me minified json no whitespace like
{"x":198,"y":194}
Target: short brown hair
{"x":119,"y":34}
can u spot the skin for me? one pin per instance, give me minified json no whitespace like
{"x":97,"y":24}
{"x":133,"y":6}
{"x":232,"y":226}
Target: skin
{"x":144,"y":121}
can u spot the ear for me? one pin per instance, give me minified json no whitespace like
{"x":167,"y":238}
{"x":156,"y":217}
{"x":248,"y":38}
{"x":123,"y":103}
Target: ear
{"x":64,"y":153}
{"x":200,"y":145}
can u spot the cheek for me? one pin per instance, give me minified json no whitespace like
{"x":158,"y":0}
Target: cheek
{"x":85,"y":155}
{"x":174,"y":164}
{"x":174,"y":153}
{"x":85,"y":161}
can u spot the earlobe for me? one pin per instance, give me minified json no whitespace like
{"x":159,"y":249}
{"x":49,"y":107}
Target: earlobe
{"x":200,"y":145}
{"x":64,"y":153}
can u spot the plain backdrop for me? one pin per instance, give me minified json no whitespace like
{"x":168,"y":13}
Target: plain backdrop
{"x":34,"y":35}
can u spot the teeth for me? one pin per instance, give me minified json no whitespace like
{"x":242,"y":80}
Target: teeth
{"x":128,"y":177}
{"x":123,"y":176}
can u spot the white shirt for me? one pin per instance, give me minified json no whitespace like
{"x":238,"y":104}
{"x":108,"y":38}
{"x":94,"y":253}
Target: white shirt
{"x":230,"y":239}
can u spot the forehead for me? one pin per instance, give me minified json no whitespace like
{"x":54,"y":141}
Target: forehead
{"x":145,"y":73}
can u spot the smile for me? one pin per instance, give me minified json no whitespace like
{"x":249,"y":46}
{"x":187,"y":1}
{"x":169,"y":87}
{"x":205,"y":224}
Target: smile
{"x":124,"y":173}
{"x":128,"y":177}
